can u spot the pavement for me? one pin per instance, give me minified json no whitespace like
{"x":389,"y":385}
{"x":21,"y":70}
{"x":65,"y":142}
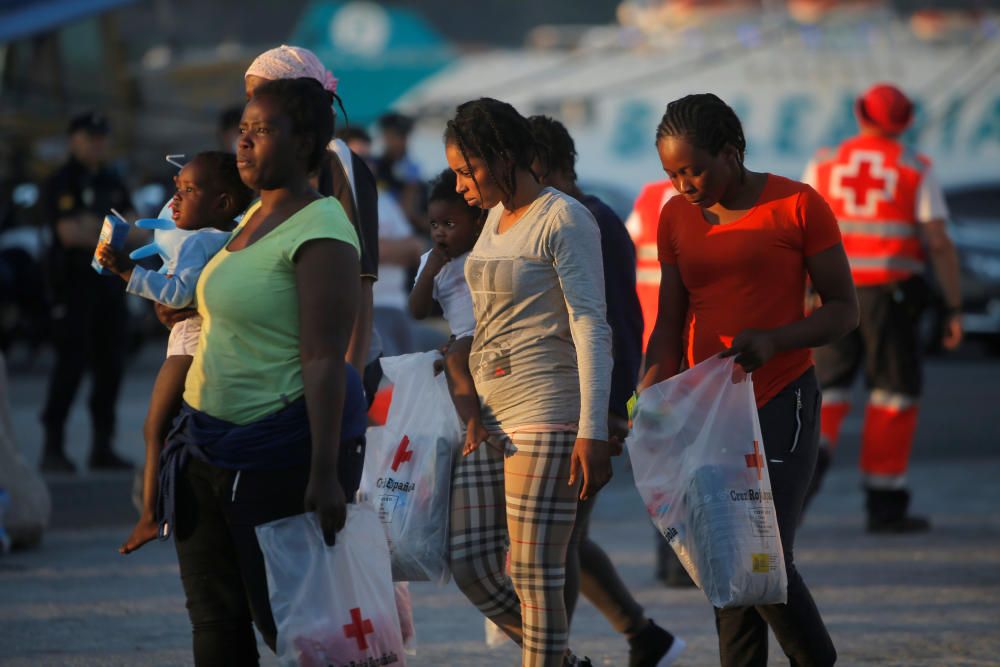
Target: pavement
{"x":920,"y":600}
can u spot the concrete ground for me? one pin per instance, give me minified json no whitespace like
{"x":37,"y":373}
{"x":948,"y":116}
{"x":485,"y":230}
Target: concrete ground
{"x":922,"y":600}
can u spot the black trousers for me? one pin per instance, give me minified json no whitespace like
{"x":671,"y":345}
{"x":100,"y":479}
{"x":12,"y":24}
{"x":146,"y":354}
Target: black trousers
{"x":886,"y":343}
{"x":221,"y":564}
{"x":90,"y":335}
{"x":789,"y":423}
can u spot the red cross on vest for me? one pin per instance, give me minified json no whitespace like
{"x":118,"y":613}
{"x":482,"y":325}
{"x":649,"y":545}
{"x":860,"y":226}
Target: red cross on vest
{"x":358,"y":628}
{"x":402,"y":453}
{"x":863,"y":182}
{"x":755,"y":460}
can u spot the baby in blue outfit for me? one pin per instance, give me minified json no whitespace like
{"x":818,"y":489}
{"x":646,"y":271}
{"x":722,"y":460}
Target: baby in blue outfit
{"x":209,"y":196}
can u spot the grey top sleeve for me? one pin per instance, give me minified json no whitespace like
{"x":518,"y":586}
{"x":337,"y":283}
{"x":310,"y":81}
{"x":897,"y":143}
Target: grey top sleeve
{"x":575,"y":241}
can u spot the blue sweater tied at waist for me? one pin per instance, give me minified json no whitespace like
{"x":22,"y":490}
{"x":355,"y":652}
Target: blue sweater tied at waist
{"x":279,"y":440}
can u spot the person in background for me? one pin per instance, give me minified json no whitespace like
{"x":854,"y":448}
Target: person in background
{"x":642,"y":224}
{"x":397,"y":174}
{"x":90,"y":318}
{"x":399,"y":251}
{"x":587,"y":565}
{"x":736,"y":248}
{"x":541,"y":361}
{"x":227,"y":129}
{"x":890,"y":208}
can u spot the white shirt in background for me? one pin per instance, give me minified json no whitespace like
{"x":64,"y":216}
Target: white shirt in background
{"x":391,"y":289}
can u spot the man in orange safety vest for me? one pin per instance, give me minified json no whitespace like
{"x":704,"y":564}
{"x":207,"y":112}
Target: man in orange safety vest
{"x":890,"y":209}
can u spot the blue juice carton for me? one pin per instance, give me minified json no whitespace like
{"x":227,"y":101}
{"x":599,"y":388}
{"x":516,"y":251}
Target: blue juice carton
{"x":113,"y":232}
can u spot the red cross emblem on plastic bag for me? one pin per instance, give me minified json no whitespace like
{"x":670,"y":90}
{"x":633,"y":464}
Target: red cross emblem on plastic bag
{"x":358,"y":628}
{"x":755,"y":460}
{"x":402,"y":453}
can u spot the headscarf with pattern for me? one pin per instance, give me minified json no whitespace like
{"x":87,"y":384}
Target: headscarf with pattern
{"x":291,"y":62}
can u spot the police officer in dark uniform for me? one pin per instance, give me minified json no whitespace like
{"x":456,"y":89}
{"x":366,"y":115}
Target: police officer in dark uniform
{"x":89,"y":315}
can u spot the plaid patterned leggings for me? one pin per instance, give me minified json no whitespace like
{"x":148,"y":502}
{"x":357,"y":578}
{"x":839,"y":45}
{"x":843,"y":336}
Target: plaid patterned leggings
{"x":524,"y":493}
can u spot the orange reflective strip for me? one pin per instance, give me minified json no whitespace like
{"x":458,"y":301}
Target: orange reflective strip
{"x":891,"y":400}
{"x":870,"y":246}
{"x":884,"y":229}
{"x":647,"y":276}
{"x":648,"y":251}
{"x":832,"y":416}
{"x":887,"y":439}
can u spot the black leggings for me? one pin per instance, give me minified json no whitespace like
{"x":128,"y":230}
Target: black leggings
{"x":221,"y":564}
{"x":789,"y":423}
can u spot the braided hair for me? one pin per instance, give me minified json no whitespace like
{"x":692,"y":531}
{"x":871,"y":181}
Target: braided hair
{"x":554,"y":145}
{"x":707,"y":122}
{"x":496,"y":133}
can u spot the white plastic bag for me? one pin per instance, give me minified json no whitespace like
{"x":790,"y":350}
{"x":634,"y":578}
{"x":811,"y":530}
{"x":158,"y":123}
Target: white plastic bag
{"x":408,"y":466}
{"x":333,"y":606}
{"x":699,"y":464}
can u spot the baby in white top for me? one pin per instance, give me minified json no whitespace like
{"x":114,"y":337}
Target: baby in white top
{"x":455,"y":227}
{"x":450,"y":290}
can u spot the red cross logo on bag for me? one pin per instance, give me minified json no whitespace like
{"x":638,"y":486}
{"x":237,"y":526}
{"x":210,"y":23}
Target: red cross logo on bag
{"x":358,"y":628}
{"x":863,"y":182}
{"x":755,"y":460}
{"x":402,"y":453}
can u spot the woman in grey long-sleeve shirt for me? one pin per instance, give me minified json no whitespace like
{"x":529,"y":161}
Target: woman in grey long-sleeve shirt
{"x":541,"y":359}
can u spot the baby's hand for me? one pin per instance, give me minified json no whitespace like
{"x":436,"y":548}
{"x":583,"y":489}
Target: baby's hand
{"x":113,"y":260}
{"x":436,"y":260}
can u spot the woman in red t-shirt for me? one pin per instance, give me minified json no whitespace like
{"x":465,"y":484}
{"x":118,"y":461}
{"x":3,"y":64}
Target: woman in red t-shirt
{"x":735,"y":250}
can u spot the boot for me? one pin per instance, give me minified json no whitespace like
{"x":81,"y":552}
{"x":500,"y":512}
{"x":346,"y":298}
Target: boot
{"x":887,"y":512}
{"x":53,"y":457}
{"x":823,"y":459}
{"x":102,"y":457}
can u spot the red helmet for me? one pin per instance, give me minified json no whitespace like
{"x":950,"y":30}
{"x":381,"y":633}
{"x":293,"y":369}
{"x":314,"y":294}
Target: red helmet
{"x":885,"y":107}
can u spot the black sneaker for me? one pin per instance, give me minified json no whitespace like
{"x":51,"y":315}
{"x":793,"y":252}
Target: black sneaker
{"x":654,"y":647}
{"x":570,"y":660}
{"x":108,"y":460}
{"x":57,"y":462}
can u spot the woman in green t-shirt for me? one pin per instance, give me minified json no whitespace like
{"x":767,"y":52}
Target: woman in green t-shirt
{"x":269,"y":401}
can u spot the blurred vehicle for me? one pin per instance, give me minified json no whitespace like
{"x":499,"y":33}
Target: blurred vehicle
{"x":975,"y":228}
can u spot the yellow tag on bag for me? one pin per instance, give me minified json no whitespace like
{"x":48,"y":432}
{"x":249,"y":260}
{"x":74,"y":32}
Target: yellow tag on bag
{"x":630,"y":405}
